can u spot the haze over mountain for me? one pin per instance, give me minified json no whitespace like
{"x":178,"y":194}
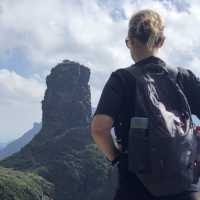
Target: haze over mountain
{"x":17,"y":144}
{"x":7,"y":149}
{"x":2,"y":145}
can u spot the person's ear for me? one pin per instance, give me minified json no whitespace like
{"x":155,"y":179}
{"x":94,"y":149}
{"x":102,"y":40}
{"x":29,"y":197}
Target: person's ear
{"x":161,"y":42}
{"x":135,"y":42}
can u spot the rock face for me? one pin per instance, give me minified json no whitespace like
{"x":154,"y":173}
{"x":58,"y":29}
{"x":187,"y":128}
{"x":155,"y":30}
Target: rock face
{"x":67,"y":99}
{"x":63,"y":152}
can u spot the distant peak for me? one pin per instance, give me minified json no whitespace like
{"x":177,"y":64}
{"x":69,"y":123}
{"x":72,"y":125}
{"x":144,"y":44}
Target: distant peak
{"x":36,"y":124}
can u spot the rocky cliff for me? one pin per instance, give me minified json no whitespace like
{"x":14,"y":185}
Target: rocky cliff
{"x":63,"y":151}
{"x":67,"y":99}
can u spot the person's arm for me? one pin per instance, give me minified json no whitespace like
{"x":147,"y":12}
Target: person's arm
{"x":101,"y":133}
{"x":107,"y":110}
{"x":191,"y":85}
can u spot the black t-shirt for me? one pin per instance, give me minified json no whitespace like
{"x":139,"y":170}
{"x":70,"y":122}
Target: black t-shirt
{"x":117,"y":101}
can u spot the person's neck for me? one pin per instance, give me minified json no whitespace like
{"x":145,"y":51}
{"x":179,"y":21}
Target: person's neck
{"x":143,"y":56}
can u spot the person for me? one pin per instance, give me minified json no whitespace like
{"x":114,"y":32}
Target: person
{"x":116,"y":105}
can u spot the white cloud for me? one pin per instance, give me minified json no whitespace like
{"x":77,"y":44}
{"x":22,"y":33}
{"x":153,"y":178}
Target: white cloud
{"x":19,"y":88}
{"x":85,"y":31}
{"x":20,"y":104}
{"x":92,"y":32}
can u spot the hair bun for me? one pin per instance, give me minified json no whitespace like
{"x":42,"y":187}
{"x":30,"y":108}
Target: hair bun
{"x":147,"y":26}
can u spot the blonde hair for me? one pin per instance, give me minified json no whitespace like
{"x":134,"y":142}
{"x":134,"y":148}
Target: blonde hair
{"x":147,"y":26}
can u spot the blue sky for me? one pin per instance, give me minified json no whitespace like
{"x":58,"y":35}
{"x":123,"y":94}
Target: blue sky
{"x":36,"y":35}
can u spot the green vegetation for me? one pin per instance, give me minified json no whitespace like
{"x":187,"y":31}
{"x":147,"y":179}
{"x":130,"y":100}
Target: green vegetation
{"x":75,"y":174}
{"x":15,"y":185}
{"x":71,"y":162}
{"x":83,"y":172}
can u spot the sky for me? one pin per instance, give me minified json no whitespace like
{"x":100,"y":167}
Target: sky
{"x":36,"y":35}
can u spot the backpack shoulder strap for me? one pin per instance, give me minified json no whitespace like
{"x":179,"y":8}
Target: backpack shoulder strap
{"x":173,"y":74}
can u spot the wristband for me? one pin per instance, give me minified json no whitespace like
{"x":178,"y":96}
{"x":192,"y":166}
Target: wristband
{"x":115,"y":161}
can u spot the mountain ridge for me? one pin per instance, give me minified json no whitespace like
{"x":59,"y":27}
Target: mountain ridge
{"x":63,"y":151}
{"x":19,"y":143}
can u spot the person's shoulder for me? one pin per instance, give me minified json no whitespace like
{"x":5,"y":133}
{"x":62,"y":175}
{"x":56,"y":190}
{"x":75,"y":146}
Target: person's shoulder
{"x":123,"y":72}
{"x":120,"y":79}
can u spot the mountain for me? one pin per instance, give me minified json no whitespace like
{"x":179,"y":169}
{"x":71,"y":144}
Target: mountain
{"x":63,"y":151}
{"x":16,"y":145}
{"x":2,"y":145}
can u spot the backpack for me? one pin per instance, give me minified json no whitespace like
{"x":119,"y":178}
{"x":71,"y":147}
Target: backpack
{"x":162,"y":142}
